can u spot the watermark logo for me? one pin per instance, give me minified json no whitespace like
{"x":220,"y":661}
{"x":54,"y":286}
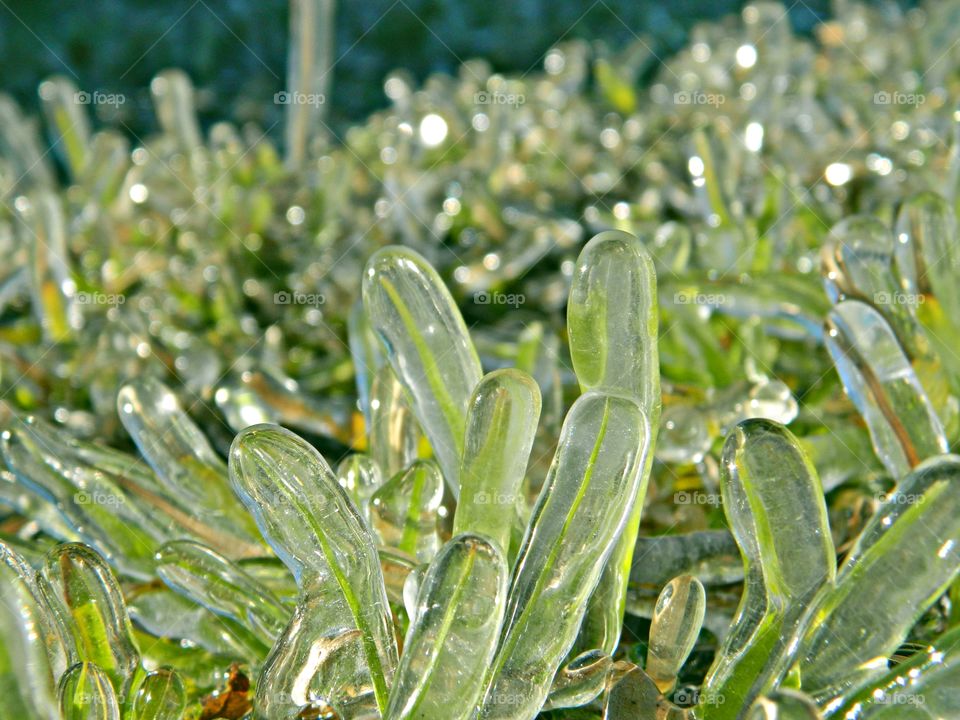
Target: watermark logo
{"x":899,"y":298}
{"x":95,"y":497}
{"x":697,"y":497}
{"x":690,"y":696}
{"x":99,"y":298}
{"x":506,"y":699}
{"x":897,"y":498}
{"x":514,"y":300}
{"x":699,"y":298}
{"x":494,"y":498}
{"x":82,"y":97}
{"x":298,"y":298}
{"x":898,"y":98}
{"x":901,"y":698}
{"x":285,"y":97}
{"x":488,"y":97}
{"x":695,"y":97}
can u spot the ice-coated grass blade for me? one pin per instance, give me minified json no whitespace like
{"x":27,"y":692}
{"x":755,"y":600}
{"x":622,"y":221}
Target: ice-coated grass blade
{"x":312,"y":525}
{"x":43,"y":227}
{"x":928,"y":253}
{"x":612,"y":323}
{"x":427,"y":345}
{"x":106,"y":167}
{"x":85,"y":598}
{"x":612,"y":318}
{"x":880,"y":381}
{"x":161,"y":696}
{"x":579,"y":514}
{"x":115,"y":512}
{"x":775,"y":507}
{"x":450,"y":645}
{"x":676,"y":623}
{"x":360,"y":476}
{"x":580,"y":680}
{"x":905,"y":558}
{"x":366,"y":355}
{"x":397,"y":567}
{"x":501,"y":425}
{"x":394,"y":433}
{"x":926,"y":682}
{"x":404,"y":511}
{"x":785,"y":704}
{"x":631,"y":694}
{"x":86,"y":694}
{"x":181,"y":455}
{"x":20,"y":147}
{"x":309,"y":75}
{"x":711,"y":555}
{"x":68,"y":121}
{"x":173,"y":101}
{"x":857,"y":263}
{"x":164,"y":613}
{"x":213,"y":581}
{"x":31,"y":652}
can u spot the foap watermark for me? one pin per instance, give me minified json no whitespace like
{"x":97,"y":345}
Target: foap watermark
{"x":898,"y":498}
{"x":286,"y":97}
{"x":95,"y":497}
{"x":696,"y":97}
{"x":697,"y":497}
{"x":690,"y":696}
{"x":883,"y":97}
{"x":82,"y":97}
{"x":899,"y":298}
{"x":498,"y":298}
{"x":100,"y":298}
{"x":298,"y":298}
{"x":699,"y":298}
{"x":495,"y":498}
{"x":508,"y":699}
{"x":493,"y":97}
{"x":901,"y":698}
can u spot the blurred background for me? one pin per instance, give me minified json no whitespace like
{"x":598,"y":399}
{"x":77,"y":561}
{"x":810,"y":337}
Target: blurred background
{"x":235,"y":50}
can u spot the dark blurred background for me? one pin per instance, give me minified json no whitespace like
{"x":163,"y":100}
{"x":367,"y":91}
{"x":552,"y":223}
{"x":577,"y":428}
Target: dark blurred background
{"x":235,"y":50}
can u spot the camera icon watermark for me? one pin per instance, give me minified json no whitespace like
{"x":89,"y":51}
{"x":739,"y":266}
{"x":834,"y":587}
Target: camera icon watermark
{"x":286,"y":97}
{"x":284,"y":297}
{"x":696,"y":97}
{"x":82,"y":97}
{"x":489,"y":97}
{"x":513,"y":300}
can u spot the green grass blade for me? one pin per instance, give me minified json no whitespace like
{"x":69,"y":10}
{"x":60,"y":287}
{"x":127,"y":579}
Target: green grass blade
{"x":450,"y":645}
{"x":775,"y":508}
{"x":86,"y":694}
{"x":315,"y":528}
{"x":85,"y":598}
{"x":612,"y":323}
{"x":428,"y":346}
{"x":905,"y":558}
{"x":501,"y":426}
{"x":880,"y":381}
{"x":161,"y":696}
{"x":575,"y":524}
